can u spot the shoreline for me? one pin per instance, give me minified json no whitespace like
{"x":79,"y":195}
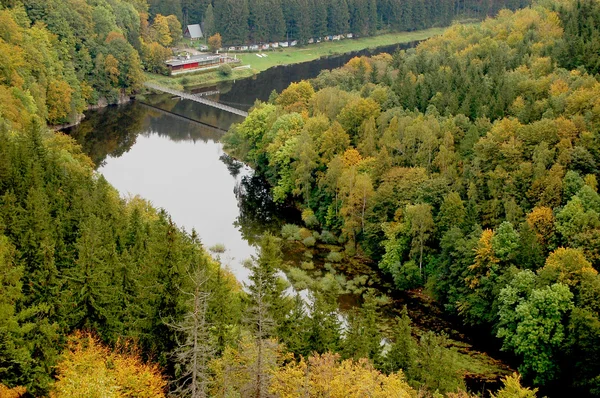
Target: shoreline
{"x":253,"y":65}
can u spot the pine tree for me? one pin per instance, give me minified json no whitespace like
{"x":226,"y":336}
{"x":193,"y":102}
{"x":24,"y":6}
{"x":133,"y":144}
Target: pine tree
{"x":319,"y":8}
{"x":258,"y":24}
{"x":338,"y":17}
{"x":363,"y":338}
{"x":266,"y":299}
{"x":209,"y":21}
{"x":276,"y":21}
{"x":402,"y":353}
{"x":232,"y":21}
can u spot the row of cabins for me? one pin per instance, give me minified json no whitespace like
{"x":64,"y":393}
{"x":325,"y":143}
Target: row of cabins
{"x":285,"y":44}
{"x":193,"y":63}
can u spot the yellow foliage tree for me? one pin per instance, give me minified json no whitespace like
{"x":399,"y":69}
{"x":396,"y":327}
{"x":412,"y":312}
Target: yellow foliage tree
{"x":325,"y":376}
{"x":111,"y":67}
{"x":161,"y":31}
{"x":484,"y":259}
{"x":513,"y":389}
{"x":568,"y":266}
{"x":16,"y":392}
{"x":215,"y":42}
{"x":296,"y":97}
{"x":234,"y":372}
{"x":541,"y":220}
{"x":89,"y":369}
{"x":58,"y":101}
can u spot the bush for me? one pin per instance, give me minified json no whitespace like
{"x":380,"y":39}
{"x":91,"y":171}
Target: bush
{"x":185,"y":81}
{"x":225,"y":70}
{"x":290,"y":232}
{"x":309,"y":242}
{"x":407,"y":276}
{"x":307,"y":265}
{"x":309,"y":218}
{"x":328,"y":237}
{"x":335,"y":257}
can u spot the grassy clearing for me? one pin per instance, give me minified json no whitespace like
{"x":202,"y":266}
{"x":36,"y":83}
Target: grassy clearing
{"x":311,"y":52}
{"x":182,"y":82}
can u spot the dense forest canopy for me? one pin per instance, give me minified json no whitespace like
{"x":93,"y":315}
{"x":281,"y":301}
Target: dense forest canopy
{"x":60,"y":56}
{"x":103,"y":294}
{"x":467,"y":166}
{"x":255,"y":21}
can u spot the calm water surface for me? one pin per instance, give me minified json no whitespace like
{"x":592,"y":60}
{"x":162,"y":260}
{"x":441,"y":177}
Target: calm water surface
{"x":156,"y":152}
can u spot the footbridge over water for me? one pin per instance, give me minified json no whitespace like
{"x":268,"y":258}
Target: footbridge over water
{"x":196,"y":98}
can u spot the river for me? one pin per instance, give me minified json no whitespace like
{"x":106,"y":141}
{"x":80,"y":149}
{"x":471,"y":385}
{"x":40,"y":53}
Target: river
{"x":154,"y":148}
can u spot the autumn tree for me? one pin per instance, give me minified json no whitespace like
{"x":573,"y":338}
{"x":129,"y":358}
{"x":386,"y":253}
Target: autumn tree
{"x":89,"y":367}
{"x":214,"y":42}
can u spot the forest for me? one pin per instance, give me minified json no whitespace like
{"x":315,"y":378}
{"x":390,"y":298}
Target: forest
{"x":466,"y":168}
{"x":258,"y":21}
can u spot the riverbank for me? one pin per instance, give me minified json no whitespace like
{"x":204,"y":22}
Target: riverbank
{"x":290,"y":56}
{"x":198,"y":79}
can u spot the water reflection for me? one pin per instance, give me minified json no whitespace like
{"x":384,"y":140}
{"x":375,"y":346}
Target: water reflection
{"x":258,"y":212}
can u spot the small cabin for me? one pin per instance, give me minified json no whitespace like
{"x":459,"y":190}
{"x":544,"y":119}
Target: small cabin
{"x":283,"y":44}
{"x":193,"y":32}
{"x":244,"y":48}
{"x":254,"y":47}
{"x":311,"y":40}
{"x":275,"y":45}
{"x":294,"y":43}
{"x":265,"y":46}
{"x":349,"y":35}
{"x":232,"y":48}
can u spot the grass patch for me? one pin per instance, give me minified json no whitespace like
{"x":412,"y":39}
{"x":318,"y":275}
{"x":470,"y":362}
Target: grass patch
{"x":295,"y":55}
{"x":200,"y":78}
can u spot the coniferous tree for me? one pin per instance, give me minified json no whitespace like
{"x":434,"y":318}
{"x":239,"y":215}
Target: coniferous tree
{"x":319,"y":8}
{"x":266,"y":307}
{"x":276,"y":20}
{"x":258,"y":21}
{"x":338,"y":17}
{"x":209,"y":21}
{"x":232,"y":21}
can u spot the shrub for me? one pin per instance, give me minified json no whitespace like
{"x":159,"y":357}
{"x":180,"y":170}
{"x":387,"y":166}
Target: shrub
{"x":328,"y":237}
{"x":290,"y":232}
{"x":309,"y":218}
{"x":309,"y":242}
{"x":335,"y":257}
{"x":225,"y":70}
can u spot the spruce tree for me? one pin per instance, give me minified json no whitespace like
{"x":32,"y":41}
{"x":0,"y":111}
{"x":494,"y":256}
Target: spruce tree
{"x":266,"y":306}
{"x":209,"y":22}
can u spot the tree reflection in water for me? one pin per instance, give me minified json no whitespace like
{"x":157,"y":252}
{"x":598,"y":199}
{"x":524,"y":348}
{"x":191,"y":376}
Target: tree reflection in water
{"x":110,"y":131}
{"x":258,"y":212}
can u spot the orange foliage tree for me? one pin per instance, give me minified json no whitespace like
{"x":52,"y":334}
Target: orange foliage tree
{"x":90,"y":369}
